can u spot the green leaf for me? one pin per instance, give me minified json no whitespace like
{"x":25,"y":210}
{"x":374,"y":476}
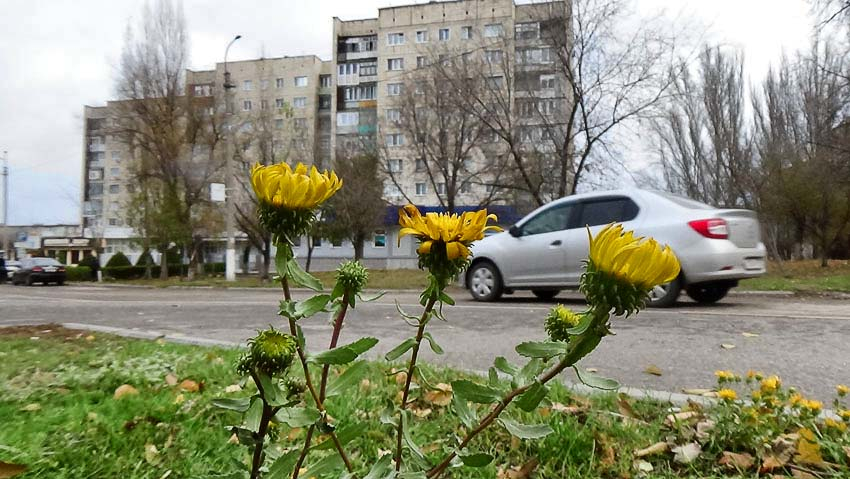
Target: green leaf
{"x":493,"y":377}
{"x":301,"y":277}
{"x":338,"y":290}
{"x":282,"y":256}
{"x":369,"y":299}
{"x":582,"y":326}
{"x":434,"y":346}
{"x":408,"y":439}
{"x":281,"y":468}
{"x":388,"y":415}
{"x":541,"y":349}
{"x":344,"y":435}
{"x":274,"y":396}
{"x":476,"y":393}
{"x":466,"y":415}
{"x":326,"y":465}
{"x":530,"y":399}
{"x":446,"y":298}
{"x":233,"y":404}
{"x":526,"y":431}
{"x":309,"y":307}
{"x":287,"y":309}
{"x":298,"y":416}
{"x":345,"y":354}
{"x":412,"y":475}
{"x":349,"y":378}
{"x":504,"y":366}
{"x":254,"y":415}
{"x":529,"y":372}
{"x":402,"y":348}
{"x":474,"y":459}
{"x":381,"y":469}
{"x":596,"y":381}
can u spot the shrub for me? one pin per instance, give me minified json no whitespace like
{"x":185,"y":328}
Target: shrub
{"x":213,"y":268}
{"x":138,"y":272}
{"x":79,"y":273}
{"x":91,"y":262}
{"x":145,"y":258}
{"x":118,"y":260}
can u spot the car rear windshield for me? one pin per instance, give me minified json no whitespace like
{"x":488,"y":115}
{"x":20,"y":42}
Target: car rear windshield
{"x":686,"y":202}
{"x":45,"y":262}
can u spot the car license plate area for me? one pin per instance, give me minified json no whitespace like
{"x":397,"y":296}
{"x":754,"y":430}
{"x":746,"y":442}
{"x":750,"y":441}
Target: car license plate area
{"x":753,"y":263}
{"x":50,"y":269}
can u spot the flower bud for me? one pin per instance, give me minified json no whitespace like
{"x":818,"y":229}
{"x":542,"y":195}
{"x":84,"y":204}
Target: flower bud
{"x":270,"y":352}
{"x":352,"y":276}
{"x":559,"y":320}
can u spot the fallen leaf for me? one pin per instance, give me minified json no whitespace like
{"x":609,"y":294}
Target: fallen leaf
{"x":799,"y":474}
{"x":727,"y":346}
{"x":31,"y":407}
{"x":643,"y":466}
{"x":518,"y":472}
{"x":569,"y":410}
{"x":625,"y":406}
{"x":179,"y":399}
{"x":190,"y":386}
{"x":781,"y":450}
{"x":234,"y":439}
{"x":151,"y":454}
{"x":421,"y":412}
{"x":749,"y":335}
{"x":697,"y":391}
{"x":679,"y":417}
{"x":686,"y":453}
{"x":233,"y":388}
{"x":704,"y":427}
{"x":608,"y":459}
{"x":735,"y":461}
{"x":90,"y":337}
{"x":515,"y":443}
{"x":656,"y":448}
{"x":591,"y":370}
{"x":124,"y":390}
{"x":10,"y":470}
{"x":429,"y":448}
{"x":400,"y":378}
{"x":846,"y":452}
{"x":170,"y":379}
{"x":808,"y":449}
{"x":653,"y":369}
{"x":441,"y":395}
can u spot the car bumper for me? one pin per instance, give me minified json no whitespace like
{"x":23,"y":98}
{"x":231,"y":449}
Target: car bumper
{"x":47,"y":277}
{"x":722,"y":260}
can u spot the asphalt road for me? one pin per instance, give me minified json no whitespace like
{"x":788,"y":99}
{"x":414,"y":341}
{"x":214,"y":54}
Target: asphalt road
{"x":804,"y":340}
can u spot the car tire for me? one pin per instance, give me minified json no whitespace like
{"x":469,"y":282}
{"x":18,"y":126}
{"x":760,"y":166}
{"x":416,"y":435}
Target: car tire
{"x":545,"y":294}
{"x":484,"y":282}
{"x":665,"y":295}
{"x":707,"y":293}
{"x":28,"y":281}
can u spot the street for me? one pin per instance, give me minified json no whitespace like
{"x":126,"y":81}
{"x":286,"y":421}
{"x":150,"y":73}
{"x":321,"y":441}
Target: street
{"x":804,"y":340}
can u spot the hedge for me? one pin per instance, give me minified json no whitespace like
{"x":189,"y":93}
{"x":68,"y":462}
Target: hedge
{"x":136,"y":272}
{"x":117,"y":260}
{"x":213,"y":268}
{"x":78,"y":273}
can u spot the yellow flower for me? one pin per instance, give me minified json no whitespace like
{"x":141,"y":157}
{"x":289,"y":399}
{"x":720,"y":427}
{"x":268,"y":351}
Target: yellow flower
{"x":754,"y":375}
{"x":770,"y":384}
{"x":812,"y":405}
{"x":725,"y":375}
{"x":452,"y":231}
{"x":796,"y":399}
{"x":844,"y":414}
{"x":559,"y":320}
{"x":299,"y":189}
{"x":755,"y":395}
{"x":842,"y":390}
{"x":642,"y":263}
{"x":841,"y":426}
{"x":727,"y":394}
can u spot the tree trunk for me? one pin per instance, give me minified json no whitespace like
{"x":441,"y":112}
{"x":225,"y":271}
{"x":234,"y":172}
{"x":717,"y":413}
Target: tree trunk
{"x":358,"y":246}
{"x":163,"y":263}
{"x":309,"y":254}
{"x":267,"y":259}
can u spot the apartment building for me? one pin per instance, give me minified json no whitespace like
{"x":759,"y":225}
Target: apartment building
{"x":305,"y":109}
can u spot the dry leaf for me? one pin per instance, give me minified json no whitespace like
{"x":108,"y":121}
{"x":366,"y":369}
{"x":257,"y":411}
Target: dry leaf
{"x":735,"y":461}
{"x":365,"y":384}
{"x":171,"y":379}
{"x":10,"y":470}
{"x":125,"y":390}
{"x":90,"y":338}
{"x":653,"y":369}
{"x":679,"y":417}
{"x":846,"y":452}
{"x":625,"y":407}
{"x":429,"y":448}
{"x":233,"y":388}
{"x":656,"y":448}
{"x":151,"y":454}
{"x":31,"y":407}
{"x":800,"y":474}
{"x":518,"y":472}
{"x":441,"y":395}
{"x":515,"y":443}
{"x":401,"y":378}
{"x":179,"y":399}
{"x":686,"y":453}
{"x":190,"y":386}
{"x":697,"y":391}
{"x":234,"y":439}
{"x":703,"y":428}
{"x":749,"y":335}
{"x":780,"y":453}
{"x":608,"y":459}
{"x":643,"y":466}
{"x":569,"y":410}
{"x":727,"y":346}
{"x":591,"y":370}
{"x":808,"y":449}
{"x":421,"y":412}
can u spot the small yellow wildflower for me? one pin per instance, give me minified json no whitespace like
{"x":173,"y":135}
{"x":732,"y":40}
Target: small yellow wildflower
{"x":812,"y":405}
{"x":725,"y":375}
{"x":842,"y":390}
{"x":796,"y":399}
{"x":844,"y":414}
{"x":299,"y":189}
{"x":754,"y":375}
{"x":642,"y":263}
{"x":755,"y":395}
{"x":727,"y":394}
{"x":451,"y":232}
{"x":559,"y":320}
{"x":770,"y":384}
{"x":832,"y":423}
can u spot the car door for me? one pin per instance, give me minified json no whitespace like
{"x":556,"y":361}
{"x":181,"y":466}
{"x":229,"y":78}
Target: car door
{"x":537,"y":255}
{"x":595,"y":213}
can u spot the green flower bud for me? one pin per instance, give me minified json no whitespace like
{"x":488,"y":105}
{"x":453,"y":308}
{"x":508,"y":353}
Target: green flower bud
{"x":606,"y":291}
{"x":270,"y":352}
{"x":285,"y":223}
{"x":559,"y":320}
{"x":352,"y":276}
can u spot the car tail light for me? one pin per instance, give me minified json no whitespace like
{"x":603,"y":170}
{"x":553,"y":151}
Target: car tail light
{"x":711,"y":228}
{"x":37,"y":269}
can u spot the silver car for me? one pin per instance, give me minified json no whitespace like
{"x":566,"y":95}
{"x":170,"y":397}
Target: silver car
{"x":544,"y":251}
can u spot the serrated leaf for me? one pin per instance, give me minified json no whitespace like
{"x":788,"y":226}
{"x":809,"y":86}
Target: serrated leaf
{"x":526,"y":431}
{"x":402,"y":348}
{"x":530,"y":399}
{"x":582,"y":325}
{"x":345,"y":354}
{"x":541,"y":349}
{"x":596,"y":381}
{"x":476,"y":459}
{"x":274,"y":396}
{"x":466,"y":415}
{"x":233,"y":404}
{"x":338,"y":290}
{"x":283,"y":255}
{"x":350,"y":377}
{"x":281,"y":468}
{"x":311,"y":306}
{"x":298,"y":416}
{"x":433,"y":343}
{"x":254,"y":415}
{"x":529,"y":372}
{"x":493,"y":377}
{"x":504,"y":366}
{"x":476,"y":393}
{"x":301,"y":277}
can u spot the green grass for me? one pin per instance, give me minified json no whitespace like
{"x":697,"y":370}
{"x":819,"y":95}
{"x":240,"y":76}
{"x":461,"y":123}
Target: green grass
{"x":803,"y":277}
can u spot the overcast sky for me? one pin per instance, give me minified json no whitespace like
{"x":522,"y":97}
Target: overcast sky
{"x":56,"y":56}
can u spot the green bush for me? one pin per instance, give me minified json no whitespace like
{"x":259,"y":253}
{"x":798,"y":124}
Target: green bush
{"x":138,"y":272}
{"x":78,"y":273}
{"x":91,"y":262}
{"x":145,"y":258}
{"x":118,"y":260}
{"x":213,"y":268}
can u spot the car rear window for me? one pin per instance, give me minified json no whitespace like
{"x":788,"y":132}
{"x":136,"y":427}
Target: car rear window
{"x":610,"y":210}
{"x":45,"y":262}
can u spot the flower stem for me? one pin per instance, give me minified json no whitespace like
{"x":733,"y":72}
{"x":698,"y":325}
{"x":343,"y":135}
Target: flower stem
{"x":268,"y":412}
{"x":334,"y":339}
{"x":293,"y":330}
{"x":411,"y":370}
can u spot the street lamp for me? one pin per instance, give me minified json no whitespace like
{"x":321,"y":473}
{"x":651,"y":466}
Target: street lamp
{"x":229,"y":195}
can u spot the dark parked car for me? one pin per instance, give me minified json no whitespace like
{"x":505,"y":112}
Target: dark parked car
{"x":39,"y":270}
{"x":3,"y":271}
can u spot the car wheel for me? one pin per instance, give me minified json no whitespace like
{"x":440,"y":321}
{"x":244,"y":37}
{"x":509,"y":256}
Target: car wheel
{"x":665,"y":295}
{"x":485,"y":282}
{"x":707,"y":293}
{"x":29,"y":281}
{"x":545,"y":294}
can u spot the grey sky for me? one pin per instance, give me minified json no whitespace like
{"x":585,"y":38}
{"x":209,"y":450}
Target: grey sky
{"x":56,"y":56}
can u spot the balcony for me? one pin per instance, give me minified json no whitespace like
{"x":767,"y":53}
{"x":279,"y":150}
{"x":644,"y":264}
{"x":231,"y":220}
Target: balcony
{"x":343,"y":57}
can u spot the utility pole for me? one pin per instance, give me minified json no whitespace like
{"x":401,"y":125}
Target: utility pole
{"x":229,"y":191}
{"x":5,"y":203}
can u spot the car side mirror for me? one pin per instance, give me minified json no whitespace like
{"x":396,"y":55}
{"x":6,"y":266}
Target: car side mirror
{"x":515,"y":231}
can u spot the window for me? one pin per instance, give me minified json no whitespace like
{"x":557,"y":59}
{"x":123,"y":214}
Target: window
{"x":356,"y":93}
{"x":552,"y":219}
{"x":392,"y":114}
{"x":116,"y":156}
{"x":336,"y":243}
{"x":422,"y":62}
{"x":465,"y":188}
{"x":347,"y":118}
{"x":246,"y":105}
{"x":493,"y":30}
{"x":466,"y":163}
{"x":395,"y":166}
{"x":466,"y":33}
{"x":445,"y":59}
{"x":392,"y":191}
{"x":317,"y":242}
{"x":419,"y":87}
{"x":421,"y":189}
{"x":113,"y":221}
{"x":113,"y":189}
{"x":299,"y":123}
{"x":395,"y":139}
{"x":325,"y":102}
{"x":278,"y":123}
{"x":395,"y":38}
{"x":299,"y":102}
{"x":264,"y":104}
{"x":420,"y":164}
{"x":278,"y":83}
{"x":114,"y":171}
{"x":324,"y":81}
{"x":602,"y":212}
{"x":527,"y":31}
{"x":526,"y":133}
{"x":547,"y":82}
{"x":368,"y":69}
{"x":246,"y":85}
{"x":547,"y":107}
{"x":296,"y":241}
{"x":527,"y":109}
{"x":130,"y":188}
{"x":495,"y":82}
{"x":203,"y":90}
{"x":421,"y":36}
{"x":535,"y":55}
{"x":114,"y":206}
{"x":444,"y":34}
{"x":300,"y":81}
{"x":379,"y":239}
{"x":493,"y":56}
{"x":348,"y":68}
{"x":441,"y":188}
{"x":394,"y":89}
{"x":264,"y":84}
{"x":395,"y":64}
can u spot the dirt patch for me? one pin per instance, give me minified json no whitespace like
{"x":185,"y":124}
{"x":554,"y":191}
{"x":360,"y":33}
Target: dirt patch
{"x":42,"y":331}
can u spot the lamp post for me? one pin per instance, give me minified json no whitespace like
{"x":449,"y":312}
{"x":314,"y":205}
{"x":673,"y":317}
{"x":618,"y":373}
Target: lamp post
{"x":229,"y":194}
{"x":5,"y":173}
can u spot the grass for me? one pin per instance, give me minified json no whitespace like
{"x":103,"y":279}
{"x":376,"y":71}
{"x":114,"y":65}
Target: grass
{"x":802,"y":277}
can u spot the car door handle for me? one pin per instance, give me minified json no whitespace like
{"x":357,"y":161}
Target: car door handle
{"x":555,"y":243}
